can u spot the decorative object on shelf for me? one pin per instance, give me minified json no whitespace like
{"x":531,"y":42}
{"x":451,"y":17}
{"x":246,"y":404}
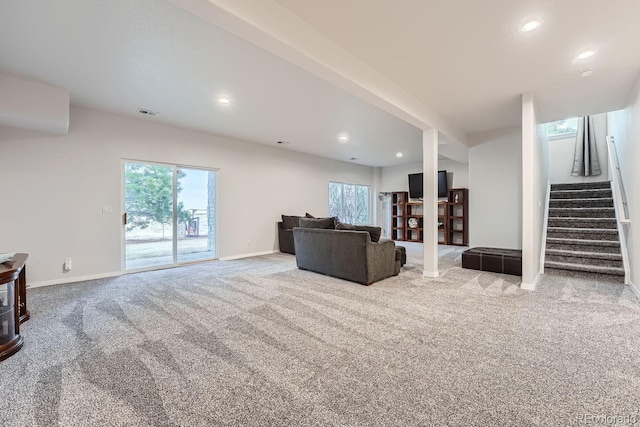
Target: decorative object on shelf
{"x":456,"y":198}
{"x":413,"y":222}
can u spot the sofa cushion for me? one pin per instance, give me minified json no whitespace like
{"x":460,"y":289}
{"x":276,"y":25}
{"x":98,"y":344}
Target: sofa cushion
{"x":328,"y":223}
{"x":374,"y":232}
{"x":290,"y":221}
{"x":345,"y":226}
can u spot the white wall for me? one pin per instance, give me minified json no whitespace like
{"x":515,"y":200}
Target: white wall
{"x":55,"y":188}
{"x":535,"y":177}
{"x":561,"y":153}
{"x":495,"y":189}
{"x":624,"y":126}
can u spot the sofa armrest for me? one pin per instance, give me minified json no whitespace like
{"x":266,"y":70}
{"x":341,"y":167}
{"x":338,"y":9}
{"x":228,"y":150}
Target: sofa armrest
{"x":285,"y":240}
{"x":381,"y":260}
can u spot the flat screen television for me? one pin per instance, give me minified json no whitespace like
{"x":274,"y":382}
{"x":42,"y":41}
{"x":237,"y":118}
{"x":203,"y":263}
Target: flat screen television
{"x":415,"y":185}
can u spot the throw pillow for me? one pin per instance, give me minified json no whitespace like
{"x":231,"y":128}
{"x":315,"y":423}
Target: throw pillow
{"x":344,"y":226}
{"x":374,"y":232}
{"x":328,"y":223}
{"x":290,"y":221}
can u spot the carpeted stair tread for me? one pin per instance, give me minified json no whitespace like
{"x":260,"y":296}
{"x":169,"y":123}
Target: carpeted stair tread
{"x":580,"y":194}
{"x":583,"y":242}
{"x":599,"y":277}
{"x":583,"y":230}
{"x":591,"y":258}
{"x":566,"y":221}
{"x":616,"y":271}
{"x":583,"y":233}
{"x":582,"y":186}
{"x":581,"y":212}
{"x":583,"y":254}
{"x":592,"y":202}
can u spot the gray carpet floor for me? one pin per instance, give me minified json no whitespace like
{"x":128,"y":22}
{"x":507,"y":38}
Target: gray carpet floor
{"x":258,"y":342}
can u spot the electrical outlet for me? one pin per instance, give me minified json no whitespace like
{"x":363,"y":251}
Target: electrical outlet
{"x":248,"y":242}
{"x":67,"y":264}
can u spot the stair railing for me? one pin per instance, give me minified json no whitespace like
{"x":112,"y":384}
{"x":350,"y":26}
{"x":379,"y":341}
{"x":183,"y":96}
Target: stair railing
{"x":619,"y":203}
{"x":545,"y":223}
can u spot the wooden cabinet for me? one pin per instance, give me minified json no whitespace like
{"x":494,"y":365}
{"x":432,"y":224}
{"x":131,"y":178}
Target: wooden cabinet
{"x":457,"y":228}
{"x":13,"y":304}
{"x":399,"y":200}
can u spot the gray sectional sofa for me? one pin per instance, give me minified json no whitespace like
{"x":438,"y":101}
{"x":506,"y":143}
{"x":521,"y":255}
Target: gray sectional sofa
{"x":346,"y":254}
{"x":285,"y":239}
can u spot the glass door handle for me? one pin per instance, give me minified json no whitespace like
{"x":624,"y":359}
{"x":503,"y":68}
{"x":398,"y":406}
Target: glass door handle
{"x":124,"y":219}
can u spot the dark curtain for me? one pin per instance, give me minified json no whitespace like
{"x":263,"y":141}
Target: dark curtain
{"x":585,"y":160}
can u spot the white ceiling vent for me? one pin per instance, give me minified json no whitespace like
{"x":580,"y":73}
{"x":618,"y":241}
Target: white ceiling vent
{"x":147,"y":112}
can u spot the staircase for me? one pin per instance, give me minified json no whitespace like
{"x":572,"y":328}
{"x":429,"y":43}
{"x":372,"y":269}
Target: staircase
{"x":582,"y":233}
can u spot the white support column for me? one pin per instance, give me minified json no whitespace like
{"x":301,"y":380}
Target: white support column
{"x":430,"y":199}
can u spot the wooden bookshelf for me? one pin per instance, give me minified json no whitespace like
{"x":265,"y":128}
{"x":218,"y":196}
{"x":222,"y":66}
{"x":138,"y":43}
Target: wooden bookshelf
{"x":443,"y":223}
{"x":457,"y":228}
{"x":399,"y":200}
{"x":407,"y":219}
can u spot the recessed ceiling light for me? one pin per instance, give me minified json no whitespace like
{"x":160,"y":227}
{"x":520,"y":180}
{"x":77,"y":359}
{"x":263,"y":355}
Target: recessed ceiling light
{"x":586,"y":54}
{"x":224,"y":100}
{"x":343,"y":137}
{"x":398,"y":154}
{"x":586,"y":73}
{"x":530,"y":26}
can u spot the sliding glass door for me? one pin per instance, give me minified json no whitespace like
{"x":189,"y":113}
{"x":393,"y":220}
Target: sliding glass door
{"x":169,"y":215}
{"x":196,"y":214}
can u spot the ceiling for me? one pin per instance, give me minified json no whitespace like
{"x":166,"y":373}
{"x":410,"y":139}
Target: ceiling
{"x":121,"y":55}
{"x":466,"y":61}
{"x":469,"y":61}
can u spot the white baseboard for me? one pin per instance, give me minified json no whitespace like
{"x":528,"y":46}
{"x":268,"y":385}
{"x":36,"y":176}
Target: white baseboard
{"x":73,"y":279}
{"x":431,"y":274}
{"x":634,"y":289}
{"x":141,"y":270}
{"x":531,"y":286}
{"x":232,"y":257}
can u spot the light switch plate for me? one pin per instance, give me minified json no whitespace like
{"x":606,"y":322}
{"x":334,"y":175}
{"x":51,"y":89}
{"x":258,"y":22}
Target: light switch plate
{"x":107,"y":209}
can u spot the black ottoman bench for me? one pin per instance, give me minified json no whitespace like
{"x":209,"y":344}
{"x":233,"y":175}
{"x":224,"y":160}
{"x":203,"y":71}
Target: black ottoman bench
{"x":507,"y":261}
{"x":401,"y":254}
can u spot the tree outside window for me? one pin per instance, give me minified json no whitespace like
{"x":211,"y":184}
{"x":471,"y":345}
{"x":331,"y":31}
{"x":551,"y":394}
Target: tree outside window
{"x":349,"y":202}
{"x":563,"y":128}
